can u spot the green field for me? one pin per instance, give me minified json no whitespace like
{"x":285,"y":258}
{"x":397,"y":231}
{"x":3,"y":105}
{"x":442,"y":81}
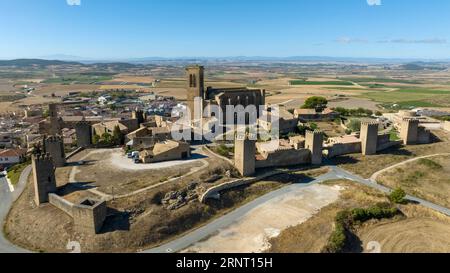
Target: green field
{"x":303,"y":82}
{"x":379,"y":80}
{"x":79,"y":78}
{"x":410,"y":97}
{"x":9,"y":98}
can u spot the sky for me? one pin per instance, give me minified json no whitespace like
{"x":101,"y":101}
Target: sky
{"x":119,"y":29}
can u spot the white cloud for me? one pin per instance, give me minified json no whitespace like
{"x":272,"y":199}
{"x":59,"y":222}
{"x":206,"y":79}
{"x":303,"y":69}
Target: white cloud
{"x":374,"y":2}
{"x":73,"y":2}
{"x":347,"y":40}
{"x":417,"y":41}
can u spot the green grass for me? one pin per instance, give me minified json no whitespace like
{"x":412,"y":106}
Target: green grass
{"x":9,"y":98}
{"x":410,"y":98}
{"x":346,"y":89}
{"x":303,"y":82}
{"x":430,"y":164}
{"x":380,"y":80}
{"x":79,"y":78}
{"x":424,"y":91}
{"x":393,"y":135}
{"x":15,"y":172}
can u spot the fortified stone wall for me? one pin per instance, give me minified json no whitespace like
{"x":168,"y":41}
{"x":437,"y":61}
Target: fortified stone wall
{"x":343,"y":149}
{"x":61,"y":203}
{"x":284,"y":158}
{"x":89,"y":216}
{"x":409,"y":131}
{"x":44,"y":181}
{"x":84,"y":134}
{"x":314,"y":143}
{"x":244,"y":156}
{"x":54,"y":145}
{"x":369,"y":137}
{"x":446,"y":126}
{"x":423,"y":135}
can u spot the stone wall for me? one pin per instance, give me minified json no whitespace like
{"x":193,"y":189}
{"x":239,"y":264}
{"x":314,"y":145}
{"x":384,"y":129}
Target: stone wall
{"x":284,"y":158}
{"x":214,"y":192}
{"x":446,"y":126}
{"x":84,"y":134}
{"x":343,"y":149}
{"x":43,"y":177}
{"x":89,"y":216}
{"x":423,"y":135}
{"x":54,"y":145}
{"x":61,"y":204}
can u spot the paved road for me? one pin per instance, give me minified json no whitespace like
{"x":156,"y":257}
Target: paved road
{"x":375,"y":175}
{"x":204,"y":232}
{"x":6,"y":199}
{"x":213,"y":227}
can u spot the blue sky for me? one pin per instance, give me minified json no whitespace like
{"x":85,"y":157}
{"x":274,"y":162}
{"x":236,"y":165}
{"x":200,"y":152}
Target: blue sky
{"x":118,"y":29}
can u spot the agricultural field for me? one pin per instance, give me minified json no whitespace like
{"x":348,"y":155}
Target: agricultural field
{"x":411,"y":97}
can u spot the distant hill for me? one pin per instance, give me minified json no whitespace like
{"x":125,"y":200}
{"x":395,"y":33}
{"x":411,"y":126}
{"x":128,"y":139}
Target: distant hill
{"x":423,"y":66}
{"x":35,"y":62}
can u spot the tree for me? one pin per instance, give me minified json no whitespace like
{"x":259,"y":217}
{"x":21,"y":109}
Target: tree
{"x":354,"y":125}
{"x":397,"y":196}
{"x":107,"y":139}
{"x":315,"y":102}
{"x":118,"y":137}
{"x":95,"y":139}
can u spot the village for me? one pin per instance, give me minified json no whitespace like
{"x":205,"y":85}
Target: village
{"x":97,"y":165}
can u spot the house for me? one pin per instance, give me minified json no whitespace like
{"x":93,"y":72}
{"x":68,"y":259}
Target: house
{"x":166,"y":151}
{"x":105,"y":99}
{"x":9,"y":157}
{"x":6,"y":140}
{"x":125,"y":126}
{"x":287,"y":122}
{"x":144,"y":138}
{"x":108,"y":127}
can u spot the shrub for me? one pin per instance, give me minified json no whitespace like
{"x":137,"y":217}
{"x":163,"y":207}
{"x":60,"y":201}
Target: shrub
{"x":397,"y":196}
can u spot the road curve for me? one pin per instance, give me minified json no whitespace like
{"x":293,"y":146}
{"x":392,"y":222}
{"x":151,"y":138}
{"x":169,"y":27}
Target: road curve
{"x":7,"y":198}
{"x":223,"y":222}
{"x":374,"y":177}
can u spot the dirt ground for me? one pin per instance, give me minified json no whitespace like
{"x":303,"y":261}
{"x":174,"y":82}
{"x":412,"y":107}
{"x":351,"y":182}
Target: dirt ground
{"x":251,"y":233}
{"x":113,"y":173}
{"x":427,"y":181}
{"x":419,"y":230}
{"x":134,"y":223}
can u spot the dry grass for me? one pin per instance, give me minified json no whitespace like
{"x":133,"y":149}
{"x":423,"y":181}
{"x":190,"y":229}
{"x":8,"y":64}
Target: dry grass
{"x":135,"y":223}
{"x":427,"y":181}
{"x":420,"y":230}
{"x":312,"y":235}
{"x":365,"y":166}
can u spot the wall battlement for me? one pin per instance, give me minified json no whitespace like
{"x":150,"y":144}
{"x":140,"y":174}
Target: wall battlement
{"x":369,"y":137}
{"x":314,"y":143}
{"x":44,"y":180}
